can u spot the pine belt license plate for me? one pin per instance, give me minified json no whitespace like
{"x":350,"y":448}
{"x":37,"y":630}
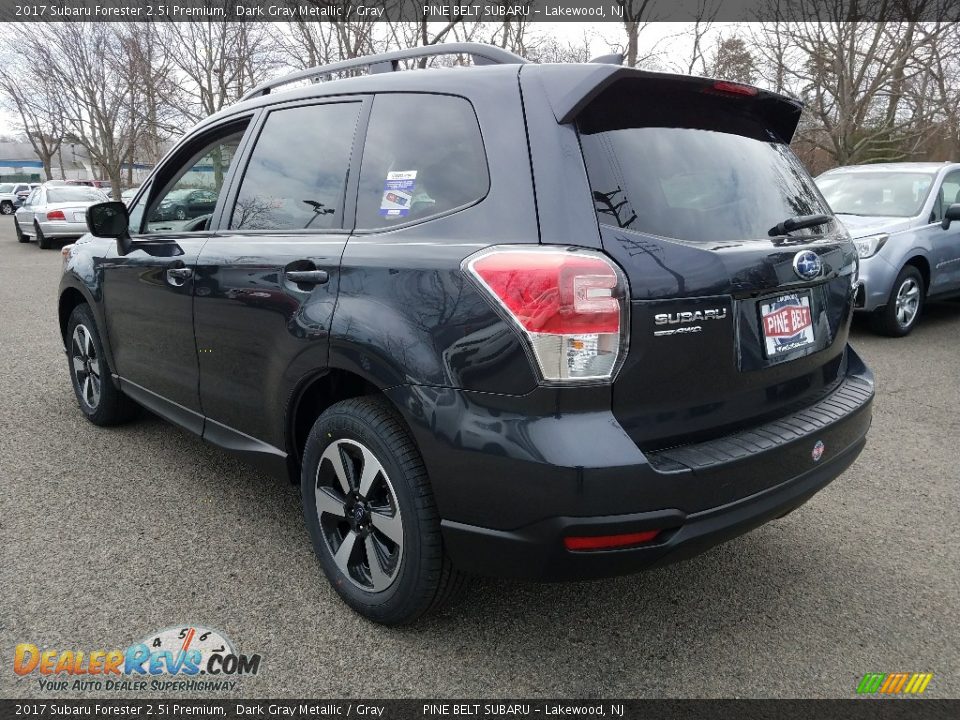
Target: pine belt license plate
{"x":787,"y":324}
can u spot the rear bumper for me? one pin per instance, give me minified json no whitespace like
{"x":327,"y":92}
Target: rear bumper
{"x":63,"y":229}
{"x":511,"y":487}
{"x":536,"y":552}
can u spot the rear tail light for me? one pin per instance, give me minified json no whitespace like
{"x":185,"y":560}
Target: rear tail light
{"x":56,"y":215}
{"x":571,"y":306}
{"x":609,"y":542}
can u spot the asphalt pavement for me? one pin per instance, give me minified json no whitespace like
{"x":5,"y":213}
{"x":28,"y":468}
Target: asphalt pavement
{"x":107,"y":535}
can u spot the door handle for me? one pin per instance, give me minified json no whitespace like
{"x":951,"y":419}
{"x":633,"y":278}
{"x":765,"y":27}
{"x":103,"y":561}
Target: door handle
{"x":307,"y":277}
{"x":178,"y":276}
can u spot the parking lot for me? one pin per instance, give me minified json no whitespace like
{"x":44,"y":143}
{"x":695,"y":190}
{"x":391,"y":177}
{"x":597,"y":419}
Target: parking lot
{"x":108,"y":535}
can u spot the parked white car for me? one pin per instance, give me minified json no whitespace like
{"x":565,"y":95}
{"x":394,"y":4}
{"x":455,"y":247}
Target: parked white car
{"x":11,"y":195}
{"x":55,"y":212}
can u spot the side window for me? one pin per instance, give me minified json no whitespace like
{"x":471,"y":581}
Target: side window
{"x":187,"y":203}
{"x":31,"y":197}
{"x":136,"y":211}
{"x":423,"y":157}
{"x":297,"y":174}
{"x":949,"y":194}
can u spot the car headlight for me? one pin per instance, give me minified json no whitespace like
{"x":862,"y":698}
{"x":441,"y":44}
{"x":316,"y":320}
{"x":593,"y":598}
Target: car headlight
{"x":870,"y":246}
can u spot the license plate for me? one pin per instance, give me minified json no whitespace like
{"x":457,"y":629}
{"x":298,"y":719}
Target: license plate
{"x":80,"y":217}
{"x":787,"y":323}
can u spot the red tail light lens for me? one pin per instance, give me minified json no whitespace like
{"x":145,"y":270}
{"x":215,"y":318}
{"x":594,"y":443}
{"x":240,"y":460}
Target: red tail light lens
{"x":570,"y":304}
{"x":609,"y":542}
{"x":56,"y":215}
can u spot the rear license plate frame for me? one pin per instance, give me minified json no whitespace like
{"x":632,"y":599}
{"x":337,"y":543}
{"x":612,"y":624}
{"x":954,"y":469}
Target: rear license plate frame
{"x":786,"y":324}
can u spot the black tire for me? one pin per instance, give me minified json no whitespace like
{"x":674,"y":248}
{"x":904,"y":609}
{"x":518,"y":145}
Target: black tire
{"x":899,"y":317}
{"x":107,"y":406}
{"x":43,"y":242}
{"x":6,"y":207}
{"x":20,"y":236}
{"x":418,"y":573}
{"x":181,"y":213}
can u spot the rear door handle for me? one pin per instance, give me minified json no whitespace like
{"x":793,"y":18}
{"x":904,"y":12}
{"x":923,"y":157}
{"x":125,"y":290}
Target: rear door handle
{"x":178,"y":276}
{"x":307,"y":277}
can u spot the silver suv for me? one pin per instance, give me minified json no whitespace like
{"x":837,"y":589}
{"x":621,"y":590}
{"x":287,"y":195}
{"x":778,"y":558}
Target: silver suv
{"x":899,"y":215}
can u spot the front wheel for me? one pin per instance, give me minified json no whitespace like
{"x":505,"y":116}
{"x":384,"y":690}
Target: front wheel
{"x":904,"y":305}
{"x":100,"y":401}
{"x":371,"y":515}
{"x":20,"y":236}
{"x":6,"y":207}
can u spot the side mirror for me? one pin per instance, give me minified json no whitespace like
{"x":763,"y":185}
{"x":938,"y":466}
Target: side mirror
{"x":951,"y":213}
{"x":110,"y":220}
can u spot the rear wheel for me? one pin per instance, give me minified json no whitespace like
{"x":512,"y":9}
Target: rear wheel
{"x":100,"y":401}
{"x":43,"y":242}
{"x":20,"y":236}
{"x":904,"y":305}
{"x":371,"y":515}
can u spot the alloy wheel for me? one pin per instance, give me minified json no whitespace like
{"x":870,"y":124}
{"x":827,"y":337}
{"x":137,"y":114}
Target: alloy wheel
{"x":86,"y":366}
{"x":359,"y":515}
{"x":908,"y":302}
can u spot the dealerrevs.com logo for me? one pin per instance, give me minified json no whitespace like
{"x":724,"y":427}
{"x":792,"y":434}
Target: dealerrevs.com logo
{"x":184,"y":658}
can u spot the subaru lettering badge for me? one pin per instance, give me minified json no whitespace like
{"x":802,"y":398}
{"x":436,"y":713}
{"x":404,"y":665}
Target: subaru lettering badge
{"x":817,"y":451}
{"x":807,"y":264}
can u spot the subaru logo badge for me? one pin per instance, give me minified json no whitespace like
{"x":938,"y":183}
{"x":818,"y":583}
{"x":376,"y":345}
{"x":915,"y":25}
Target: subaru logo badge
{"x":807,"y":264}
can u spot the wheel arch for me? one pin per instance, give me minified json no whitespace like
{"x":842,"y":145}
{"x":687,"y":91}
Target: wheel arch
{"x":70,"y":298}
{"x":921,"y":263}
{"x":311,"y":398}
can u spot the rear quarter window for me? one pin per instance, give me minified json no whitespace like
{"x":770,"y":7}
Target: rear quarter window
{"x":423,"y":157}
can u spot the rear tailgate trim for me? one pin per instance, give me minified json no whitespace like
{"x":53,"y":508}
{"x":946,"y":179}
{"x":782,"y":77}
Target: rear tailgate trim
{"x":852,"y":395}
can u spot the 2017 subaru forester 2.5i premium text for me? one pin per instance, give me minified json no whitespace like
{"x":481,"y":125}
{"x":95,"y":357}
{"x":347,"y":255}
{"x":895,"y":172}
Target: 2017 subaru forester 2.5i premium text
{"x":542,"y":321}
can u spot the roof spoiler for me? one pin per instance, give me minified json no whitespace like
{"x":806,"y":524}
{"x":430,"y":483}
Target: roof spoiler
{"x":568,"y":100}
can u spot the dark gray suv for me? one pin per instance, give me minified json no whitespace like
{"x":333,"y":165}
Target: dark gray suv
{"x":544,"y":321}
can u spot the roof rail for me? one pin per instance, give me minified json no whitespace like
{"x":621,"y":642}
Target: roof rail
{"x":481,"y":53}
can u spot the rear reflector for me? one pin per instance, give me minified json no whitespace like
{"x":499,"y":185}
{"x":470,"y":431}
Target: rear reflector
{"x":570,"y":304}
{"x":609,"y":542}
{"x":56,"y":215}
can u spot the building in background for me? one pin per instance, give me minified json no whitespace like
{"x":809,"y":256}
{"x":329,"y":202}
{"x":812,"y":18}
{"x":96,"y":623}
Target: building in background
{"x":19,"y":163}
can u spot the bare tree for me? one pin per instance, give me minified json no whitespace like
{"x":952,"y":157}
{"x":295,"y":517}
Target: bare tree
{"x":854,"y":77}
{"x":37,"y":103}
{"x":220,"y":62}
{"x":87,"y":64}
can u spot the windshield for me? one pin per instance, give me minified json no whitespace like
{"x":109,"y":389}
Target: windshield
{"x":875,"y":193}
{"x":696,"y":185}
{"x":6,"y":188}
{"x":71,"y":194}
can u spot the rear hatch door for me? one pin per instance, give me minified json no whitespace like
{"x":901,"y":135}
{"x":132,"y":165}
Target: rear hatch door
{"x":733,"y":321}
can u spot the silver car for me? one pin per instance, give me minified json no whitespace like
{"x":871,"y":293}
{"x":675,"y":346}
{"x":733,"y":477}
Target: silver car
{"x":55,"y":212}
{"x":901,"y":218}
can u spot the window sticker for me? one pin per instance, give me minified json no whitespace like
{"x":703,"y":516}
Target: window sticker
{"x":398,"y":193}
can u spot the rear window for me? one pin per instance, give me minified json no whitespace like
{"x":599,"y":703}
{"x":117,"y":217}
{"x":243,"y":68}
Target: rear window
{"x":423,"y":157}
{"x":72,"y":194}
{"x":670,"y":173}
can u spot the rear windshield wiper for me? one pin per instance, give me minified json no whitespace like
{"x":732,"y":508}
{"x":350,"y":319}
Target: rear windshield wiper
{"x":798,"y":223}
